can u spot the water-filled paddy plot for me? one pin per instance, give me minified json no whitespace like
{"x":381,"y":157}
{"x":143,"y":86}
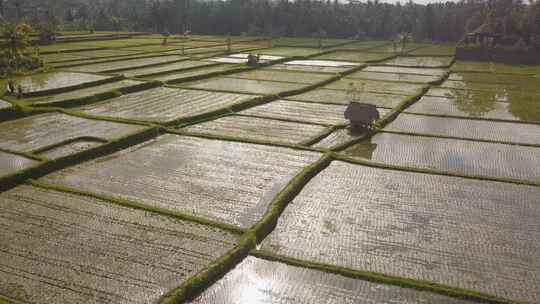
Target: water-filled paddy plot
{"x":46,"y":134}
{"x":451,"y":155}
{"x":166,"y":68}
{"x":249,"y":86}
{"x":310,"y":112}
{"x":420,"y":62}
{"x":221,"y":180}
{"x":165,"y":105}
{"x":343,"y":97}
{"x":258,"y":128}
{"x":66,"y":248}
{"x":260,"y":281}
{"x":285,"y":76}
{"x":516,"y":133}
{"x":50,"y":82}
{"x":91,"y":93}
{"x":458,"y":232}
{"x":399,"y":77}
{"x":121,"y":65}
{"x":376,"y":86}
{"x":477,"y":105}
{"x":355,"y":56}
{"x":11,"y":163}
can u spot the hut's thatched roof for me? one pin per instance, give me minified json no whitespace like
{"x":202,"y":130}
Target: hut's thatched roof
{"x":362,"y":112}
{"x":488,"y":28}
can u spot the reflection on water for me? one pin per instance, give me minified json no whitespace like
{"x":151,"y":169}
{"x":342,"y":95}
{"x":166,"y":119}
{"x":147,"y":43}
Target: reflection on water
{"x":522,"y":93}
{"x":363,"y":149}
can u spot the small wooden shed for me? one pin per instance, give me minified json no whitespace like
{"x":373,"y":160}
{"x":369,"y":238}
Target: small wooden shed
{"x":361,"y":115}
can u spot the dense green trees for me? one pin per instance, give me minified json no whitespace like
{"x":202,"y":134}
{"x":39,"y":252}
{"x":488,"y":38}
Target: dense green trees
{"x":439,"y":21}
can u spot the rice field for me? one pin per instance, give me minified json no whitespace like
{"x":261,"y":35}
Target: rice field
{"x":165,"y":105}
{"x":406,"y":70}
{"x":343,"y":97}
{"x":285,"y":76}
{"x":133,"y":172}
{"x":44,"y":132}
{"x":375,"y":86}
{"x":101,"y":251}
{"x":65,"y":98}
{"x":120,"y":65}
{"x":308,"y":68}
{"x":166,"y":68}
{"x":249,"y":86}
{"x":310,"y":112}
{"x":494,"y":67}
{"x":258,"y":280}
{"x":408,"y":225}
{"x":187,"y":74}
{"x":354,"y":56}
{"x":451,"y":155}
{"x":277,"y":131}
{"x":11,"y":163}
{"x":421,"y":62}
{"x":395,"y":77}
{"x":220,"y":180}
{"x":45,"y":83}
{"x":468,"y":129}
{"x":468,"y":107}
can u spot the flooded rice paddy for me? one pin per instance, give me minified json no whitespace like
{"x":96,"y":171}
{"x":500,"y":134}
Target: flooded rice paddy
{"x":311,"y":112}
{"x":395,"y":77}
{"x":187,"y":64}
{"x":221,"y":180}
{"x":451,"y":155}
{"x":250,"y":86}
{"x":165,"y":181}
{"x":477,"y":105}
{"x":83,"y":93}
{"x":421,"y":62}
{"x":65,"y":248}
{"x":376,"y":86}
{"x":259,"y":129}
{"x":55,"y":80}
{"x":12,"y":163}
{"x":35,"y":133}
{"x":468,"y":129}
{"x":343,"y":97}
{"x":124,"y":64}
{"x":354,"y":56}
{"x":285,"y":76}
{"x":259,"y":281}
{"x":164,"y":105}
{"x":413,"y":225}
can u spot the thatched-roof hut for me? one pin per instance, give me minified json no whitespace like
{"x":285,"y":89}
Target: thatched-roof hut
{"x":361,"y":115}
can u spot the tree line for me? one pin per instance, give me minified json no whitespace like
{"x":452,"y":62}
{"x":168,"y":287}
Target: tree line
{"x":447,"y":21}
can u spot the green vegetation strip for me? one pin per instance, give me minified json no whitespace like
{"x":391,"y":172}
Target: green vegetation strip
{"x":388,"y":118}
{"x":137,"y":205}
{"x":194,"y":286}
{"x":374,"y":164}
{"x":454,"y":292}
